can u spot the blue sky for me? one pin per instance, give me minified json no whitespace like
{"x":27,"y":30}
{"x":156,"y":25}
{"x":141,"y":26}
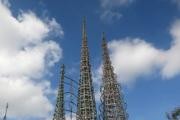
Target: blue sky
{"x":37,"y":36}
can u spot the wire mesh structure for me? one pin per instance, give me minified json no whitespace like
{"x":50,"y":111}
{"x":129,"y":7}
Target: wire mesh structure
{"x":71,"y":97}
{"x":86,"y":101}
{"x":112,"y":105}
{"x":66,"y":105}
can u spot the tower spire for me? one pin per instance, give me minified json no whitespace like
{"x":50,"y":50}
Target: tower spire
{"x":86,"y":102}
{"x":112,"y":98}
{"x":84,"y":34}
{"x":59,"y":110}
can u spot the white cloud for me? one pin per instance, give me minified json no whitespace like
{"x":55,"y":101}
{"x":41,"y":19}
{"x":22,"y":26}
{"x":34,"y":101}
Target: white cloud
{"x":96,"y":76}
{"x":56,"y":28}
{"x":172,"y":62}
{"x":110,"y":9}
{"x":25,"y":56}
{"x":25,"y":97}
{"x":110,"y":16}
{"x":114,"y":3}
{"x":133,"y":58}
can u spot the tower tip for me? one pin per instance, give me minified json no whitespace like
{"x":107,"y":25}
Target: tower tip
{"x":103,"y":34}
{"x":84,"y":27}
{"x":84,"y":18}
{"x":84,"y":21}
{"x":103,"y":38}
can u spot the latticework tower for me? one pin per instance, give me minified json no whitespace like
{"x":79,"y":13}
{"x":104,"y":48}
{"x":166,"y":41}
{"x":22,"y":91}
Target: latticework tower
{"x":86,"y":102}
{"x":59,"y":110}
{"x":113,"y":107}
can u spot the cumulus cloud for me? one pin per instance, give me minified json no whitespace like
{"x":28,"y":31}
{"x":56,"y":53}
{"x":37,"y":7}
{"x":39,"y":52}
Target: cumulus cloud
{"x":133,"y":57}
{"x":26,"y":55}
{"x":172,"y":57}
{"x":114,"y":3}
{"x":110,"y":9}
{"x":25,"y":97}
{"x":109,"y":16}
{"x":96,"y":76}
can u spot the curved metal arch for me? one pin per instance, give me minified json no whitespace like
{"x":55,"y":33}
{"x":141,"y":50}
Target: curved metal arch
{"x":71,"y":79}
{"x":71,"y":94}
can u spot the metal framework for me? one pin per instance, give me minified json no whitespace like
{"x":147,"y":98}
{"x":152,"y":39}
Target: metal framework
{"x":59,"y":110}
{"x":71,"y":98}
{"x":113,"y":106}
{"x":66,"y":98}
{"x":79,"y":99}
{"x":86,"y":102}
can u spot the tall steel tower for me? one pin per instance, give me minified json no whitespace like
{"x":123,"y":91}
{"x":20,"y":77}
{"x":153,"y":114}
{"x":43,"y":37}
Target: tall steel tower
{"x":112,"y":100}
{"x":59,"y":110}
{"x":86,"y":103}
